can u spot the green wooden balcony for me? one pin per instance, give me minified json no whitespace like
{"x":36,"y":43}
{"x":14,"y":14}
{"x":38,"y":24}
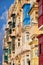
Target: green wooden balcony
{"x":5,"y":58}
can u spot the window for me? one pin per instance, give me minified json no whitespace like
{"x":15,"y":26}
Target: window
{"x":27,"y":37}
{"x":39,"y":48}
{"x":36,"y":12}
{"x":13,"y":24}
{"x":5,"y":54}
{"x":10,"y":31}
{"x":27,"y":55}
{"x":18,"y":39}
{"x":5,"y":58}
{"x":9,"y":51}
{"x":13,"y":46}
{"x":13,"y":43}
{"x":26,"y":18}
{"x":5,"y":50}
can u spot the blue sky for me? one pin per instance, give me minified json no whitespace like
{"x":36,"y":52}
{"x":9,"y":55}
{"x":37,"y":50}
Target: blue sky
{"x":4,"y":6}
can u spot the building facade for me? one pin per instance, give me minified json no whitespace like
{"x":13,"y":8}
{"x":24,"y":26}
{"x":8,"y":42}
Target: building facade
{"x":20,"y":43}
{"x":40,"y":26}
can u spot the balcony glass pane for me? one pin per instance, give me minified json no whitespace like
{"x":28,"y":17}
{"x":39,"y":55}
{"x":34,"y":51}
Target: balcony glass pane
{"x":26,"y":17}
{"x":10,"y":31}
{"x":5,"y":58}
{"x":13,"y":24}
{"x":9,"y":51}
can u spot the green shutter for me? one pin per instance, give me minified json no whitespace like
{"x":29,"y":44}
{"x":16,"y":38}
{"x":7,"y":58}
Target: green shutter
{"x":9,"y":44}
{"x":9,"y":51}
{"x":5,"y":51}
{"x":5,"y":58}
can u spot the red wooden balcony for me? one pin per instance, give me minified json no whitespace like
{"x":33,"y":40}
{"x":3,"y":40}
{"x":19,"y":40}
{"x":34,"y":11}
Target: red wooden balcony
{"x":40,"y":38}
{"x":40,"y":22}
{"x":41,"y":60}
{"x":40,"y":12}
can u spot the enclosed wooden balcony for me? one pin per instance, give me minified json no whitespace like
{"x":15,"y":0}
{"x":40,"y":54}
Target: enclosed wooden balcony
{"x":40,"y":22}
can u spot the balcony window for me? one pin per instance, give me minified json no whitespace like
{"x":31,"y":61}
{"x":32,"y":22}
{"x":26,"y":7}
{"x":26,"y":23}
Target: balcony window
{"x":26,"y":17}
{"x":13,"y":24}
{"x":5,"y":54}
{"x":13,"y":44}
{"x":9,"y":51}
{"x":27,"y":37}
{"x":10,"y":31}
{"x":13,"y":17}
{"x":5,"y":50}
{"x":14,"y":20}
{"x":5,"y":58}
{"x":39,"y":48}
{"x":13,"y":47}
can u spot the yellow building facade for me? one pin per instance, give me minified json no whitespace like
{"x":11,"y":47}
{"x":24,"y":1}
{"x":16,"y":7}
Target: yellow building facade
{"x":34,"y":29}
{"x":20,"y":44}
{"x":34,"y":32}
